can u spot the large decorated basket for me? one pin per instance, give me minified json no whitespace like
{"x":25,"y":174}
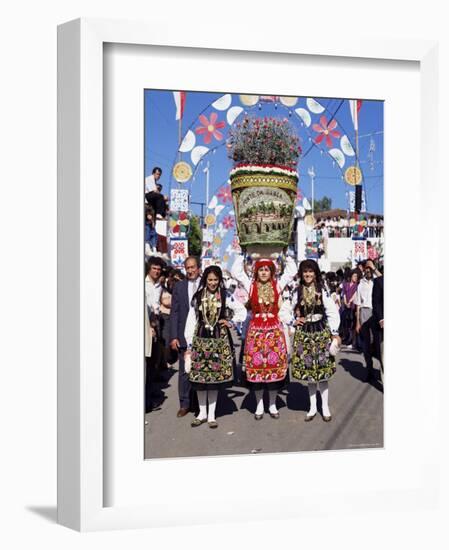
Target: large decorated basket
{"x":264,"y":198}
{"x":264,"y":183}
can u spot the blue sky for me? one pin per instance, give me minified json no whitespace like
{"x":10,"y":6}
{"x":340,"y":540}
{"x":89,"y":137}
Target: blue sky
{"x":161,"y":144}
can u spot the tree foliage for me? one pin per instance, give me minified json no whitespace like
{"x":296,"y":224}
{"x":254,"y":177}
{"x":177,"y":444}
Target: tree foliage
{"x":321,"y":205}
{"x":195,"y":236}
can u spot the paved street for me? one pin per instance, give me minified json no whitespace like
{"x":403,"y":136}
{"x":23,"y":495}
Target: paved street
{"x":356,"y":406}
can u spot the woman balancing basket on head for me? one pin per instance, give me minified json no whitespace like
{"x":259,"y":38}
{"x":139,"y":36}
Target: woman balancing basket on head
{"x":264,"y":186}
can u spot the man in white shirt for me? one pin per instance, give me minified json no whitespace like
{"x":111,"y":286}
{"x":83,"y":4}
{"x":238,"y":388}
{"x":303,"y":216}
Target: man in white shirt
{"x":364,"y":313}
{"x":150,"y":181}
{"x":152,"y":195}
{"x":152,"y":285}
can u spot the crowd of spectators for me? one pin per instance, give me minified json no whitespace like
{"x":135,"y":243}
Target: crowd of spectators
{"x":160,"y":279}
{"x":341,"y":227}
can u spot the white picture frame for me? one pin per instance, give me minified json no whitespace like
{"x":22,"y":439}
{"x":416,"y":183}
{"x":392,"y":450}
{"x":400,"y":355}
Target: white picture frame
{"x":82,"y":490}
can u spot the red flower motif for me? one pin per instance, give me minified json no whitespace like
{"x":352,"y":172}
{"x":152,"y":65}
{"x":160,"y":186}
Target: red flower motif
{"x":326,"y":131}
{"x":210,"y":127}
{"x":224,"y":193}
{"x":179,"y":248}
{"x":228,"y":222}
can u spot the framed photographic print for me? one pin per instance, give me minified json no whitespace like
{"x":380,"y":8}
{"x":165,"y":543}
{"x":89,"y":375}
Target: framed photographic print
{"x":268,"y":174}
{"x":139,"y":108}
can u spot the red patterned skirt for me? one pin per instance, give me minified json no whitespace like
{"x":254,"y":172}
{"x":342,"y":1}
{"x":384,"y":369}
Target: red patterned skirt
{"x":265,"y":356}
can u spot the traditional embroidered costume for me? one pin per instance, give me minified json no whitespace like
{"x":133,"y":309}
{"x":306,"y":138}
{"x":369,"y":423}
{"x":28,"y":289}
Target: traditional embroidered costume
{"x":265,"y":355}
{"x":311,"y":360}
{"x":212,"y":356}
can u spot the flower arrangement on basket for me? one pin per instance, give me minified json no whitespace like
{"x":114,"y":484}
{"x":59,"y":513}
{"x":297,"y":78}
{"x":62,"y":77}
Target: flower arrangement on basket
{"x":264,"y":181}
{"x":264,"y":141}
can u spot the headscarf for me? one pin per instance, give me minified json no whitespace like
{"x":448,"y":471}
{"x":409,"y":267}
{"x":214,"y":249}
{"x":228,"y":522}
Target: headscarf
{"x":253,"y":294}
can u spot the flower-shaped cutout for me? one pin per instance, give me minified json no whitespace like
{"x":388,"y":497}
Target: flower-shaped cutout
{"x":210,"y":127}
{"x":228,"y":222}
{"x":224,"y":193}
{"x":326,"y":131}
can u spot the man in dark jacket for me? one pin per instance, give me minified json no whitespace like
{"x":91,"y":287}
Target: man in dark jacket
{"x":183,"y":292}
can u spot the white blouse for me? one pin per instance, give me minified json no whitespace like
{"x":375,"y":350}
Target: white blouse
{"x":330,"y":307}
{"x":239,"y":315}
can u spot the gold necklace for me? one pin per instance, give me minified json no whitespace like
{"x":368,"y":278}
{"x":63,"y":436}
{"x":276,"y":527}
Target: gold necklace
{"x":310,"y":298}
{"x":265,"y":292}
{"x":210,"y":308}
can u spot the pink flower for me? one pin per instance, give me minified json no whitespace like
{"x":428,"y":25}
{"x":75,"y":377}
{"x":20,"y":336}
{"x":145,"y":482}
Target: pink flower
{"x":326,"y":131}
{"x":228,"y":222}
{"x":257,"y":358}
{"x":210,"y":127}
{"x":273,"y":358}
{"x":224,"y":193}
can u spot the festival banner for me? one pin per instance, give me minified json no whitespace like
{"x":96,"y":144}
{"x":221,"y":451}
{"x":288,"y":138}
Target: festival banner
{"x":354,"y":106}
{"x":179,"y":250}
{"x":359,"y":251}
{"x":179,"y":200}
{"x":180,"y":99}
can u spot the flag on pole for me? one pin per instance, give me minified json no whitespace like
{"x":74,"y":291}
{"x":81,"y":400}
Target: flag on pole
{"x":180,"y":99}
{"x":354,"y":106}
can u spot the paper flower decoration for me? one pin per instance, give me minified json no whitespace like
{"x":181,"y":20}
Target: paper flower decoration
{"x":228,"y":222}
{"x":224,"y":193}
{"x":326,"y":131}
{"x":179,"y":223}
{"x":210,"y":127}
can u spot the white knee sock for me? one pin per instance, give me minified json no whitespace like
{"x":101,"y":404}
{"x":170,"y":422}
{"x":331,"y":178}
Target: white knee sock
{"x":259,"y":401}
{"x":212,"y":399}
{"x":273,"y":394}
{"x":202,"y":397}
{"x":324,"y":390}
{"x":312,"y":397}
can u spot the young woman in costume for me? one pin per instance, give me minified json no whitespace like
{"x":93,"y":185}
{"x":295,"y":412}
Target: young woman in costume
{"x":316,"y":337}
{"x":265,"y":352}
{"x":210,"y":356}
